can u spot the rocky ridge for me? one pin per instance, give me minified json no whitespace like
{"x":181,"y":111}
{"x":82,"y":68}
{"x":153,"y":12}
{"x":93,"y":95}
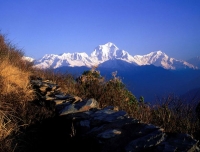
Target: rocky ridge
{"x":110,"y":128}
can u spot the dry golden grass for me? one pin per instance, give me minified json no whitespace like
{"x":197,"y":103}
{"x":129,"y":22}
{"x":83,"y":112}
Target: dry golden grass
{"x":14,"y":79}
{"x":15,"y":90}
{"x":15,"y":93}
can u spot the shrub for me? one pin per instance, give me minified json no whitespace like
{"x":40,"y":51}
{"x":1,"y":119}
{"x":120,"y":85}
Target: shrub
{"x":17,"y":111}
{"x":113,"y":92}
{"x":175,"y":116}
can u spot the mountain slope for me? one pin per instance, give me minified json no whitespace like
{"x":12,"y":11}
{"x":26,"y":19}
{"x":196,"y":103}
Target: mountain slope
{"x":28,"y":58}
{"x":65,"y":59}
{"x":195,"y":61}
{"x":160,"y":59}
{"x":149,"y":81}
{"x":110,"y":51}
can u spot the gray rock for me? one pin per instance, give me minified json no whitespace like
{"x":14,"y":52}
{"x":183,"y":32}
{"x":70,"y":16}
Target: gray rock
{"x":36,"y":82}
{"x":76,"y":99}
{"x":80,"y":107}
{"x":63,"y":97}
{"x":49,"y":97}
{"x":146,"y":141}
{"x":92,"y":103}
{"x":178,"y":142}
{"x":109,"y":133}
{"x":107,"y":115}
{"x":70,"y":98}
{"x":111,"y":127}
{"x":85,"y":123}
{"x":60,"y":102}
{"x":118,"y":124}
{"x":68,"y":110}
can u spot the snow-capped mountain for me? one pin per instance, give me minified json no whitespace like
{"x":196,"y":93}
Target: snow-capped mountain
{"x":28,"y":58}
{"x":160,"y":59}
{"x":65,"y":59}
{"x":195,"y":61}
{"x":110,"y":51}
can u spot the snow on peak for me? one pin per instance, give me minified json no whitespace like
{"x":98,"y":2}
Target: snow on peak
{"x":157,"y":54}
{"x":195,"y":61}
{"x":28,"y":58}
{"x":110,"y":44}
{"x":110,"y":51}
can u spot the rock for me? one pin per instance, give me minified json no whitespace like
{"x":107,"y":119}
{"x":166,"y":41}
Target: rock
{"x":115,"y":108}
{"x":76,"y":99}
{"x":79,"y":107}
{"x":60,"y":102}
{"x":107,"y":115}
{"x":49,"y":98}
{"x":178,"y":142}
{"x":43,"y":89}
{"x":63,"y":97}
{"x":70,"y":98}
{"x":91,"y":103}
{"x":85,"y":123}
{"x":36,"y":83}
{"x":109,"y":133}
{"x":152,"y":139}
{"x":110,"y":127}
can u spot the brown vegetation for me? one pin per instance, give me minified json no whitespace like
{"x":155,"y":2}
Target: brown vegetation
{"x":17,"y":110}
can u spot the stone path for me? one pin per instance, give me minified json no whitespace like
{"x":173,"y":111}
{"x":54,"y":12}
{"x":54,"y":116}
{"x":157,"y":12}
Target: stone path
{"x":111,"y":129}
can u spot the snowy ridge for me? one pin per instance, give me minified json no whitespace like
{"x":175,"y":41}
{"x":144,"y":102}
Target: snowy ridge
{"x":28,"y":58}
{"x":159,"y":58}
{"x":110,"y":51}
{"x":195,"y":61}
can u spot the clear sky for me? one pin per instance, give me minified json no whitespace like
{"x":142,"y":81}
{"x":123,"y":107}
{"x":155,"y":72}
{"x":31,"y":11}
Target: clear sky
{"x":139,"y":27}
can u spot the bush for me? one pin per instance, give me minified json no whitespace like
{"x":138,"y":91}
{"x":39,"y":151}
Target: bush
{"x":17,"y":110}
{"x":175,"y":116}
{"x":113,"y":92}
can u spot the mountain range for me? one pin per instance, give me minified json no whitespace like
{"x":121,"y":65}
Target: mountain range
{"x":153,"y":76}
{"x":109,"y":52}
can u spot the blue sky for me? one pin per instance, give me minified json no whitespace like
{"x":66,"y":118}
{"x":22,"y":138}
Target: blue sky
{"x":42,"y":27}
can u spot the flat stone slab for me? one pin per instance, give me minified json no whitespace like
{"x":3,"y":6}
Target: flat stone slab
{"x":79,"y":107}
{"x":179,"y":142}
{"x":107,"y":115}
{"x":109,"y":133}
{"x":152,"y":139}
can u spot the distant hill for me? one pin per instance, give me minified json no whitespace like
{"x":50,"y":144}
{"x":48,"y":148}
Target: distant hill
{"x":154,"y":75}
{"x":149,"y":81}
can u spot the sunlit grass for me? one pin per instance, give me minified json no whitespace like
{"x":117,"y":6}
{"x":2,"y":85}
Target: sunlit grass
{"x":18,"y":112}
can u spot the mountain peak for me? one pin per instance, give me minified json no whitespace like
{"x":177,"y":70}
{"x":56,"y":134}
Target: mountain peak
{"x":159,"y":52}
{"x":110,"y":44}
{"x":109,"y":51}
{"x":195,"y":61}
{"x":28,"y":58}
